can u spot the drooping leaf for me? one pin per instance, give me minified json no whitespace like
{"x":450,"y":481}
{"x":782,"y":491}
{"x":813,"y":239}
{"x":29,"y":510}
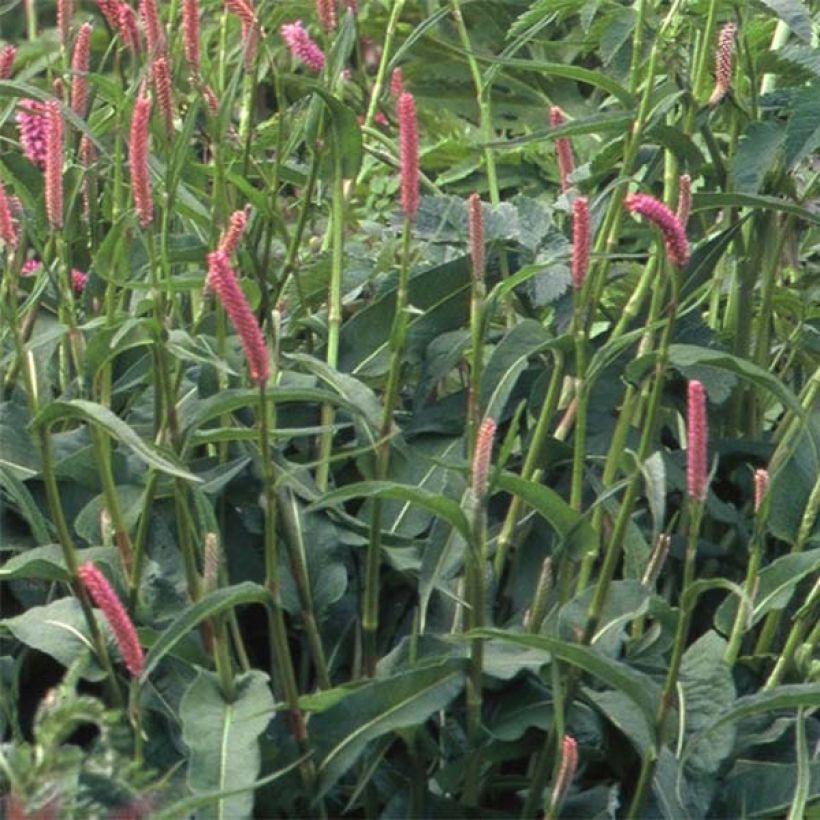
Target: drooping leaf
{"x":223,"y":738}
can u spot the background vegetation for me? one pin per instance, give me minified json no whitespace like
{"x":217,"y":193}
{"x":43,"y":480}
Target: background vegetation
{"x":354,"y":597}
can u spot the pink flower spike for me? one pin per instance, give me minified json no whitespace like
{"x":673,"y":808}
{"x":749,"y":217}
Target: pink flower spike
{"x":566,"y":772}
{"x":677,"y":245}
{"x":8,"y":230}
{"x":140,"y":176}
{"x":563,"y":150}
{"x":723,"y":64}
{"x":761,"y":487}
{"x":190,"y":32}
{"x":31,"y":121}
{"x":302,"y":47}
{"x":581,"y":241}
{"x":326,"y":12}
{"x":65,"y":11}
{"x":128,"y":27}
{"x":154,"y":33}
{"x":162,"y":85}
{"x":79,"y":279}
{"x":396,"y":83}
{"x":379,"y":119}
{"x":110,"y":10}
{"x":79,"y":67}
{"x":244,"y":10}
{"x":222,"y":280}
{"x":475,"y":225}
{"x":482,"y":456}
{"x":233,"y":233}
{"x":54,"y":164}
{"x":409,"y":154}
{"x":697,"y":435}
{"x":30,"y":267}
{"x":684,"y":199}
{"x":103,"y":595}
{"x":7,"y":56}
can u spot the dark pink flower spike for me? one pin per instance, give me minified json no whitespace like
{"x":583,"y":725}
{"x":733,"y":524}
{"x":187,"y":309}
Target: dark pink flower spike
{"x":475,"y":225}
{"x":302,"y":47}
{"x":244,"y":10}
{"x":54,"y":164}
{"x":154,"y":33}
{"x":482,"y":456}
{"x":103,"y":595}
{"x":128,"y":27}
{"x":566,"y":771}
{"x":31,"y":121}
{"x":563,"y":150}
{"x":111,"y":11}
{"x":580,"y":241}
{"x":409,"y":154}
{"x":8,"y":230}
{"x":65,"y":11}
{"x":233,"y":233}
{"x":677,"y":245}
{"x":140,"y":175}
{"x":396,"y":83}
{"x":7,"y":56}
{"x":190,"y":32}
{"x":684,"y":199}
{"x":222,"y":280}
{"x":326,"y":12}
{"x":162,"y":85}
{"x":79,"y":279}
{"x":697,"y":443}
{"x":723,"y":64}
{"x":79,"y":67}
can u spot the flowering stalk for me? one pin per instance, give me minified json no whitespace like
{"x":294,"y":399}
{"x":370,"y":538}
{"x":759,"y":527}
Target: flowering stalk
{"x":32,"y":127}
{"x":7,"y":56}
{"x":326,"y":12}
{"x":103,"y":595}
{"x":140,"y":175}
{"x":128,"y":27}
{"x":54,"y":164}
{"x":684,"y":199}
{"x":674,"y":234}
{"x":475,"y":222}
{"x":229,"y":240}
{"x":408,"y":140}
{"x":475,"y":571}
{"x":697,"y":442}
{"x":154,"y":33}
{"x":302,"y":47}
{"x":566,"y":772}
{"x":8,"y":230}
{"x":162,"y":85}
{"x":65,"y":11}
{"x":190,"y":32}
{"x":396,"y":83}
{"x":222,"y":280}
{"x":580,"y":241}
{"x":723,"y":64}
{"x":79,"y":68}
{"x":563,"y":150}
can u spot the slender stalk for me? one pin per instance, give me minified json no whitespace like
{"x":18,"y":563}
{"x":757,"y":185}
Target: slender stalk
{"x":370,"y":608}
{"x":678,"y":648}
{"x":739,"y":625}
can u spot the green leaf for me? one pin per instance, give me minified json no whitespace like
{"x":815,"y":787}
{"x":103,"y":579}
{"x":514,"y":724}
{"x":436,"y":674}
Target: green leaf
{"x":616,"y":122}
{"x":102,"y":417}
{"x":344,"y":134}
{"x":776,"y":585}
{"x":46,"y":563}
{"x":794,"y":14}
{"x":508,"y":361}
{"x":341,"y":733}
{"x":443,"y":507}
{"x":759,"y":149}
{"x":570,"y":525}
{"x":708,"y":690}
{"x":715,"y":201}
{"x":639,"y":688}
{"x":60,"y":630}
{"x":787,"y":696}
{"x":206,"y":607}
{"x":757,"y":788}
{"x":223,"y":739}
{"x":619,"y":709}
{"x":802,"y":135}
{"x":26,"y":505}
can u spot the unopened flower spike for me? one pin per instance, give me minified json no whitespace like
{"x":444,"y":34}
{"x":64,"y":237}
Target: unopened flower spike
{"x":697,"y":443}
{"x":580,"y":241}
{"x":563,"y":150}
{"x":140,"y":175}
{"x":677,"y":245}
{"x":475,"y":225}
{"x":482,"y":456}
{"x":409,"y":154}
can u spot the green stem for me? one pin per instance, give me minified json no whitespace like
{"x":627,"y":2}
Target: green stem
{"x":370,"y":608}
